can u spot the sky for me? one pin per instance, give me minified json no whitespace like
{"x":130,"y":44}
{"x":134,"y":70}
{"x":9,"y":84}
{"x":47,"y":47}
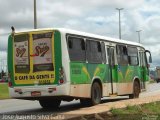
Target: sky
{"x":93,"y":16}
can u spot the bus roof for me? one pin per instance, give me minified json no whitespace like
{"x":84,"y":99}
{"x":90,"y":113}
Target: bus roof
{"x":69,"y":31}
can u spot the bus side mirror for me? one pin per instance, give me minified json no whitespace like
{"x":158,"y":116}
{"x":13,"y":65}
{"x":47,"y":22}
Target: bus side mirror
{"x":150,"y":59}
{"x":150,"y":56}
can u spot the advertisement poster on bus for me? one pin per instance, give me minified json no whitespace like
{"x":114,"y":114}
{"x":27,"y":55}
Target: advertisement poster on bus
{"x":42,"y":49}
{"x":21,"y":56}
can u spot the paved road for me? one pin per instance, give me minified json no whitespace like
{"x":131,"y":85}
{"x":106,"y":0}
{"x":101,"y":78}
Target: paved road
{"x":14,"y":106}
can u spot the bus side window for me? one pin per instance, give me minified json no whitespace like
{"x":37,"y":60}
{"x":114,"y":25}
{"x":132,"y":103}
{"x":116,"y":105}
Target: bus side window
{"x":94,"y":51}
{"x":108,"y":58}
{"x":122,"y":55}
{"x":133,"y":56}
{"x":70,"y":43}
{"x":76,"y":47}
{"x":103,"y":52}
{"x":99,"y":47}
{"x":83,"y":45}
{"x":142,"y":59}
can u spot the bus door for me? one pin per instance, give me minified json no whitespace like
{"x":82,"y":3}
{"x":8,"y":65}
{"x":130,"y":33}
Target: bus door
{"x":112,"y":70}
{"x":143,"y":69}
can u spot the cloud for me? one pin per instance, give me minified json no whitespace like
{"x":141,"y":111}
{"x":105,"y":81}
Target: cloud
{"x":94,"y":16}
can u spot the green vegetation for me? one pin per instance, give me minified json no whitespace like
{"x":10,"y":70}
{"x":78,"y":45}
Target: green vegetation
{"x":4,"y":93}
{"x":152,"y":81}
{"x":148,"y":111}
{"x":128,"y":110}
{"x":138,"y":112}
{"x":2,"y":73}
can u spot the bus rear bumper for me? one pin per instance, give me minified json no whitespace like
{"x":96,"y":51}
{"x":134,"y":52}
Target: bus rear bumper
{"x":39,"y":91}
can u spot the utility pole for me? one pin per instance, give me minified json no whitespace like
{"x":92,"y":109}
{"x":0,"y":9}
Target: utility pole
{"x":119,"y":10}
{"x":35,"y":15}
{"x":139,"y":37}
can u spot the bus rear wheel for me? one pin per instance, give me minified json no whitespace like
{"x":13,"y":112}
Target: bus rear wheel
{"x":50,"y":103}
{"x":136,"y":90}
{"x":96,"y":95}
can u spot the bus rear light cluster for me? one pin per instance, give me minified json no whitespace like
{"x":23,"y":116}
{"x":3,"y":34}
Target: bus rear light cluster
{"x":61,"y":76}
{"x":61,"y":81}
{"x":61,"y":72}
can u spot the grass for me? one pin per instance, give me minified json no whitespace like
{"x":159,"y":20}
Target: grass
{"x":138,"y":112}
{"x":148,"y":111}
{"x":4,"y":92}
{"x":152,"y":81}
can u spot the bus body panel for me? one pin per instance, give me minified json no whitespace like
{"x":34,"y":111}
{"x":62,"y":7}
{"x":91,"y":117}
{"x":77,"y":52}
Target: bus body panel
{"x":83,"y":73}
{"x":126,"y":75}
{"x":43,"y":91}
{"x":30,"y":81}
{"x":78,"y":76}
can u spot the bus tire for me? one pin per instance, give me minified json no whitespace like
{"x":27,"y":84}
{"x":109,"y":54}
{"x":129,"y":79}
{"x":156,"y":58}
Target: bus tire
{"x":50,"y":103}
{"x":96,"y":94}
{"x":136,"y":90}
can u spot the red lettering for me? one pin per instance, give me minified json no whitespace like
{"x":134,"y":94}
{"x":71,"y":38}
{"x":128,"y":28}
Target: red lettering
{"x":20,"y":52}
{"x":41,"y":51}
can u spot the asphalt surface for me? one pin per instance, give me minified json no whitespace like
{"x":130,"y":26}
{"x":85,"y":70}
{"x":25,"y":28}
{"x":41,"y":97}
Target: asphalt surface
{"x":14,"y":106}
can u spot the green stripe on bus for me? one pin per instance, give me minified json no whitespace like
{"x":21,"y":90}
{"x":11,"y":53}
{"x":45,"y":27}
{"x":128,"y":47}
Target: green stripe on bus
{"x":83,"y":73}
{"x":58,"y":54}
{"x":10,"y":59}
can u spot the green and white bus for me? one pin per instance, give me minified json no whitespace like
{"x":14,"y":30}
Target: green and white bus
{"x":54,"y":65}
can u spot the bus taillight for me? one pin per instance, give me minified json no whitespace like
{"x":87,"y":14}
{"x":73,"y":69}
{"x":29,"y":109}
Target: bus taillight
{"x":61,"y":81}
{"x":61,"y":75}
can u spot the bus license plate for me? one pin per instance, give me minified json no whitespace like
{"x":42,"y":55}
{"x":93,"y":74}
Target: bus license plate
{"x":36,"y":93}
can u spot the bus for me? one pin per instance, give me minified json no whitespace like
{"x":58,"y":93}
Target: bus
{"x":53,"y":65}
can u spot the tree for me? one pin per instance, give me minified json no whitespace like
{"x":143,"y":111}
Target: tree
{"x":2,"y":74}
